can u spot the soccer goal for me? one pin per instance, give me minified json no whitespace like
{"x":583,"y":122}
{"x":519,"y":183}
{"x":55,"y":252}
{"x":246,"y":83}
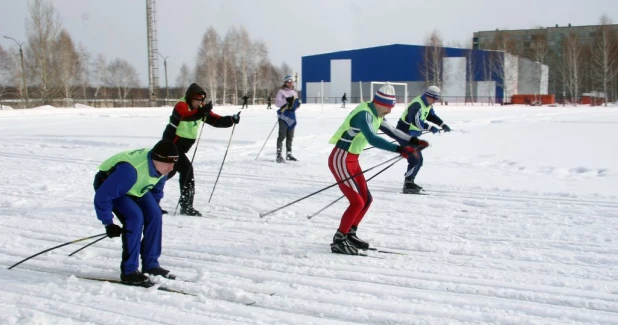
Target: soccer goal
{"x":397,"y":86}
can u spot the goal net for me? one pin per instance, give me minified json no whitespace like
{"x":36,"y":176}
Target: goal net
{"x":401,"y":90}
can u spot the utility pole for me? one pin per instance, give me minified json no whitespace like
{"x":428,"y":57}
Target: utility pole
{"x":23,"y":70}
{"x":167,"y":90}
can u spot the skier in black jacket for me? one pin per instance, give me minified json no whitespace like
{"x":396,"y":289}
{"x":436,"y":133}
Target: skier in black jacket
{"x":184,"y":125}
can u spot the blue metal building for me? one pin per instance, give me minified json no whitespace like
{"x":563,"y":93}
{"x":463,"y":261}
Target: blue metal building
{"x":329,"y":75}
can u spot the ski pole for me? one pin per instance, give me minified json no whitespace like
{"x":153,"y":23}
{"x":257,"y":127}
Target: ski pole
{"x":223,"y":162}
{"x":391,"y":141}
{"x":94,"y":242}
{"x":262,"y":215}
{"x":264,"y":145}
{"x":191,"y":163}
{"x":341,"y":197}
{"x":61,"y":245}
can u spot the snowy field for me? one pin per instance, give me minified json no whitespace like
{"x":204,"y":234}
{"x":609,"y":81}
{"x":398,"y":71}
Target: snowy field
{"x":520,"y":225}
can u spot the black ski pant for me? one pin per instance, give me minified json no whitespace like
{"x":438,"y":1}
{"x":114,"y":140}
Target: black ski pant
{"x":186,"y":180}
{"x":285,"y":133}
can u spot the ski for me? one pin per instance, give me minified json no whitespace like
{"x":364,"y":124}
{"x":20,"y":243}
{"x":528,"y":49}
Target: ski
{"x":385,"y":251}
{"x":361,"y":255}
{"x":161,"y":288}
{"x":167,"y":289}
{"x":419,"y":193}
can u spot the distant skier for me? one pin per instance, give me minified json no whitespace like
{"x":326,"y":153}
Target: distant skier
{"x":245,"y":98}
{"x":288,"y":102}
{"x":130,"y":184}
{"x":344,"y":99}
{"x":268,"y":102}
{"x":412,"y":121}
{"x":358,"y":129}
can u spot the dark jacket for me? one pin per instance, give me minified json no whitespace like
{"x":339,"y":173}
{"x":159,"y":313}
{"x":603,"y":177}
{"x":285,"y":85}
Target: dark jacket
{"x":183,"y":112}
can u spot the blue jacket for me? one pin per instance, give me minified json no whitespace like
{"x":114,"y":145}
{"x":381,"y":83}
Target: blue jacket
{"x":288,"y":114}
{"x":413,"y":117}
{"x":117,"y":184}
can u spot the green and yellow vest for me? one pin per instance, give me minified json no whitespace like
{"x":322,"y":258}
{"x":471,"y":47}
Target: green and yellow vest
{"x":352,"y":139}
{"x":139,"y":160}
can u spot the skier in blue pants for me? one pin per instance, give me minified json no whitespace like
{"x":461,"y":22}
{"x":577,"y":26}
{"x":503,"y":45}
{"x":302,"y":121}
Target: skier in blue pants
{"x":130,"y":184}
{"x":412,"y":121}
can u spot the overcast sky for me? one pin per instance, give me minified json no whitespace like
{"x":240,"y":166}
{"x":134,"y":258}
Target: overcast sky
{"x":293,"y":28}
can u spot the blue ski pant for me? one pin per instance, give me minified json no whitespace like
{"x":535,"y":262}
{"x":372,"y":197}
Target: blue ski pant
{"x":414,"y":165}
{"x":139,"y":215}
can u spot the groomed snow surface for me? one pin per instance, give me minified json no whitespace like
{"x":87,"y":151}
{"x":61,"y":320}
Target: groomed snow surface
{"x":520,"y":224}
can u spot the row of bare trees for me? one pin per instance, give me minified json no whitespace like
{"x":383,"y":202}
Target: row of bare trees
{"x":56,"y":70}
{"x":577,"y":64}
{"x":234,"y":65}
{"x":493,"y":66}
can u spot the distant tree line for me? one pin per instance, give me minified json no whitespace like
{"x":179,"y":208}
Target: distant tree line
{"x":56,"y":71}
{"x":578,"y":64}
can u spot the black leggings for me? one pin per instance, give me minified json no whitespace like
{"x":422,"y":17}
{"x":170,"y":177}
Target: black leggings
{"x":285,"y":133}
{"x":187,"y":181}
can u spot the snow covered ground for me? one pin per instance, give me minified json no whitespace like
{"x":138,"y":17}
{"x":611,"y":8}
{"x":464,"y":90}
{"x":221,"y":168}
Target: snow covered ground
{"x":520,"y":226}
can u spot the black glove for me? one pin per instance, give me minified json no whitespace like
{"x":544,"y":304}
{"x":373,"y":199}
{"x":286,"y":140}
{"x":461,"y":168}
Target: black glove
{"x":446,"y":128}
{"x":113,"y":230}
{"x":290,"y":100}
{"x":236,"y":118}
{"x":205,"y":108}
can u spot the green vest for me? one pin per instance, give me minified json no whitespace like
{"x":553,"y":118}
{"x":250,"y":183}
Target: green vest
{"x":424,"y":112}
{"x":188,"y":129}
{"x":139,"y":160}
{"x":354,"y":137}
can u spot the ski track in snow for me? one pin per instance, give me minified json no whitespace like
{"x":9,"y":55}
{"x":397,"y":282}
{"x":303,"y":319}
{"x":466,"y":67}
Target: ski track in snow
{"x":502,"y":237}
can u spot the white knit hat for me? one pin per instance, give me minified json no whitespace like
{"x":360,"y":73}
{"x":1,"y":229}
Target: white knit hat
{"x":433,"y":92}
{"x":385,"y":96}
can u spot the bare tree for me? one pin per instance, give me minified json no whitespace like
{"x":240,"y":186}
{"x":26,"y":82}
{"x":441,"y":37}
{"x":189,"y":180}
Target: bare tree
{"x":488,"y":70}
{"x":245,"y":58}
{"x":571,"y":66}
{"x":99,"y":67}
{"x":207,"y":68}
{"x":122,"y":76}
{"x":42,"y":28}
{"x":5,"y":71}
{"x":183,"y":79}
{"x":286,"y":70}
{"x":229,"y":59}
{"x":431,"y":67}
{"x":504,"y":63}
{"x":262,"y":69}
{"x":540,"y":48}
{"x":471,"y":74}
{"x":604,"y":58}
{"x":65,"y":65}
{"x":83,"y":70}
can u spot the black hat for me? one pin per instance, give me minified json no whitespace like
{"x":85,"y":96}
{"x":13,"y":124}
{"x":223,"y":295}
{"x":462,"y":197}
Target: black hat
{"x":165,"y":151}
